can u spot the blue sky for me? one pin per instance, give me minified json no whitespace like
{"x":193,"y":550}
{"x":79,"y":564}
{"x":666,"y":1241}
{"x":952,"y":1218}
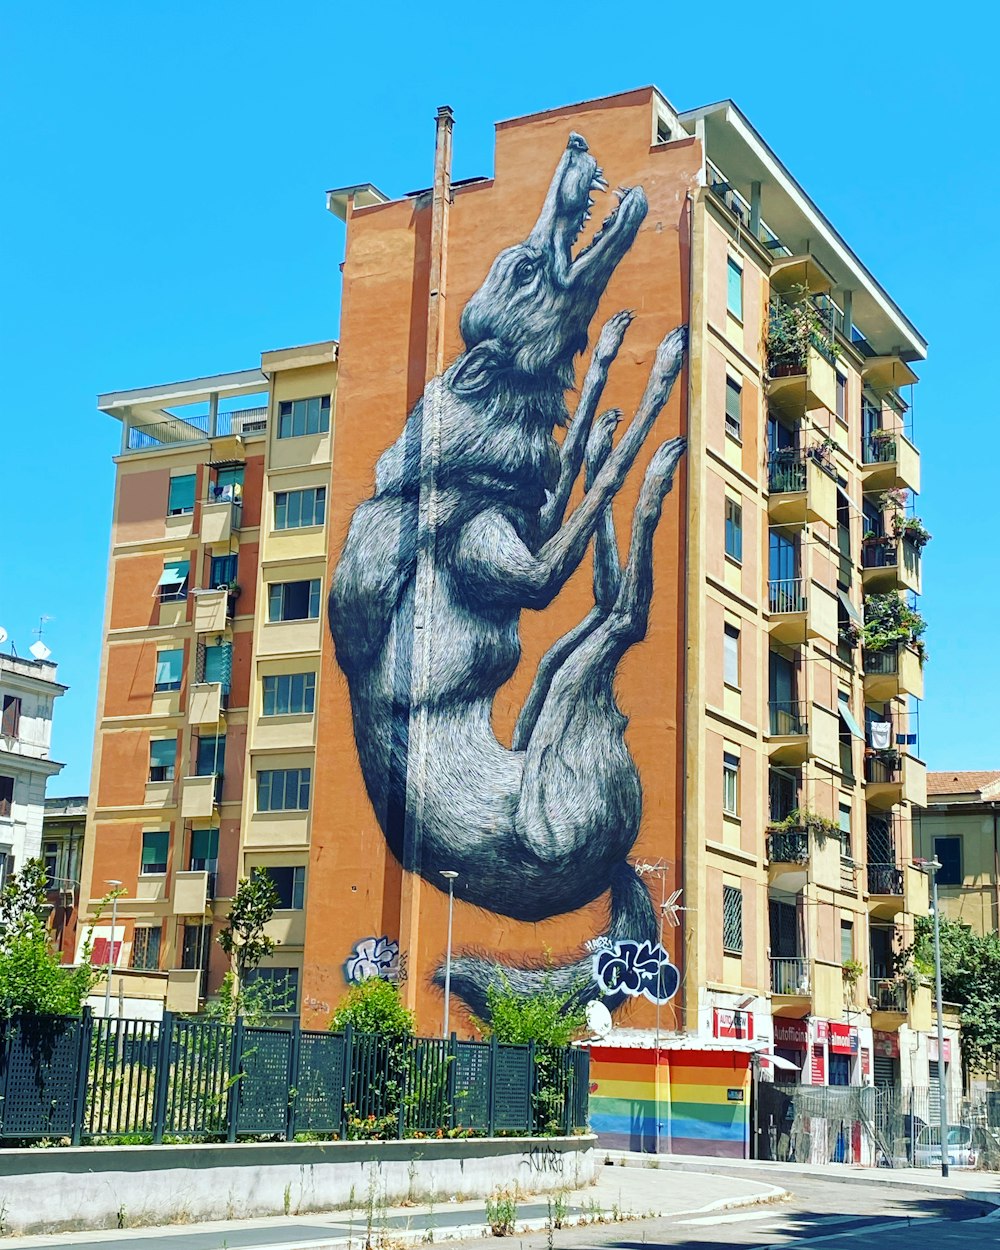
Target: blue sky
{"x":163,"y":217}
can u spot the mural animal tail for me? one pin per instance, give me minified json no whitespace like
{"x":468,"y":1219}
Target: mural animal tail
{"x":626,"y":962}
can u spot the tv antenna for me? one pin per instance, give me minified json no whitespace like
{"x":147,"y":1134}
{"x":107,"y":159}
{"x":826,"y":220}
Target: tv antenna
{"x":3,"y":635}
{"x":38,"y":649}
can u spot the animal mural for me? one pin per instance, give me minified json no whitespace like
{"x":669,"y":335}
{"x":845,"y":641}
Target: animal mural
{"x":466,"y":529}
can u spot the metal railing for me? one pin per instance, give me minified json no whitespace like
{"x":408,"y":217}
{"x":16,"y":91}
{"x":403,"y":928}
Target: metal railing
{"x":193,"y":429}
{"x":786,"y":472}
{"x":242,"y":421}
{"x":788,"y":846}
{"x":884,"y":663}
{"x":885,"y":879}
{"x":790,"y":976}
{"x":787,"y":719}
{"x":785,"y":594}
{"x":87,"y":1079}
{"x":878,"y":769}
{"x":879,"y":553}
{"x":739,"y":206}
{"x":888,"y":994}
{"x":877,"y":449}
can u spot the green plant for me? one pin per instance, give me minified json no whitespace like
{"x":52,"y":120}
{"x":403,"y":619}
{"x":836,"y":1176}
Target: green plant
{"x":374,"y":1008}
{"x":804,"y":818}
{"x":795,"y":325}
{"x":889,"y":621}
{"x":912,"y":529}
{"x":853,"y":970}
{"x":501,"y":1213}
{"x":849,"y":634}
{"x":244,"y":938}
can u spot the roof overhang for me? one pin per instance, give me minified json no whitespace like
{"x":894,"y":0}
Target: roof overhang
{"x":742,"y":155}
{"x":147,"y":404}
{"x":360,"y":195}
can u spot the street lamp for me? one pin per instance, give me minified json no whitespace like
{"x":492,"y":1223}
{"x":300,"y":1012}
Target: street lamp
{"x":931,"y":867}
{"x":115,"y":885}
{"x":449,"y":876}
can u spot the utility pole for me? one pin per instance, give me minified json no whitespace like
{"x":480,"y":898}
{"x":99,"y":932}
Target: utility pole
{"x":931,"y":867}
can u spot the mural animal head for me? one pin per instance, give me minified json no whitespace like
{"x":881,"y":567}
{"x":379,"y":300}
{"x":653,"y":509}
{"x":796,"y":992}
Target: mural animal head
{"x":532,"y":313}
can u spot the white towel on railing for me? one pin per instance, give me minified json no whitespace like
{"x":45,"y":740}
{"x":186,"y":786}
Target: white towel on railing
{"x":880,"y":734}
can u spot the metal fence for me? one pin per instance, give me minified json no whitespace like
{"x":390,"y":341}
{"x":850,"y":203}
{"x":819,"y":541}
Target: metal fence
{"x":87,"y":1079}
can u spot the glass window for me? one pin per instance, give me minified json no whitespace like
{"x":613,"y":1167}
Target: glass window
{"x":844,"y":822}
{"x":732,"y":919}
{"x":734,"y":530}
{"x":290,"y":885}
{"x":294,"y":509}
{"x":52,"y":874}
{"x":303,"y":416}
{"x":218,"y":665}
{"x":10,"y":722}
{"x":6,"y":796}
{"x":228,"y":485}
{"x":154,"y":851}
{"x":146,"y":948}
{"x":180,"y":498}
{"x":278,"y":989}
{"x":734,"y":408}
{"x":293,"y":601}
{"x":211,"y":758}
{"x":846,"y":941}
{"x":731,"y":656}
{"x":283,"y":789}
{"x":196,"y":948}
{"x":948,"y":852}
{"x":169,"y":669}
{"x":173,"y":581}
{"x":730,"y":784}
{"x":204,"y":850}
{"x":734,"y":287}
{"x":162,"y":759}
{"x":841,"y":397}
{"x":222,"y":571}
{"x":289,"y":693}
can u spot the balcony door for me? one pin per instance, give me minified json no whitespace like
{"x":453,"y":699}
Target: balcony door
{"x":881,"y":952}
{"x":782,"y":690}
{"x":783,"y":918}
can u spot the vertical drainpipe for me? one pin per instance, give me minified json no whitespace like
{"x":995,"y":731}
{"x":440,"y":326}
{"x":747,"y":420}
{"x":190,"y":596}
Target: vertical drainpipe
{"x":423,"y":640}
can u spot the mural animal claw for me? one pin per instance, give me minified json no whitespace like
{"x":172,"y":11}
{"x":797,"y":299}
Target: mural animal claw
{"x":544,"y":827}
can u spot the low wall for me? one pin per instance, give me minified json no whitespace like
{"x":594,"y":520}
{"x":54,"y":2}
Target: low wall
{"x":86,"y":1187}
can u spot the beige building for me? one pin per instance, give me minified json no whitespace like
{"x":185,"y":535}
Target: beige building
{"x":961,"y":827}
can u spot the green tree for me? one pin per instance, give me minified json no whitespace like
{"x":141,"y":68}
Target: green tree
{"x":385,"y":1052}
{"x":244,"y":938}
{"x":373,"y":1006}
{"x":32,"y":976}
{"x":551,"y":1016}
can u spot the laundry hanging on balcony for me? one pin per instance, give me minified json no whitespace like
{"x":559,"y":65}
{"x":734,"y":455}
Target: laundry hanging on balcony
{"x":880,"y":734}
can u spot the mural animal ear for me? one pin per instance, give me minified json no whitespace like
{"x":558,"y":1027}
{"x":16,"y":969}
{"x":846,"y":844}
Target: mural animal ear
{"x":477,"y":370}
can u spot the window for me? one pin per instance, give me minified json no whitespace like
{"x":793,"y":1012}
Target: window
{"x":211,"y":757}
{"x":734,"y":398}
{"x":731,"y":656}
{"x":228,"y":485}
{"x":734,"y":287}
{"x":732,"y":919}
{"x":841,"y":397}
{"x":145,"y":948}
{"x":173,"y":581}
{"x":844,"y":822}
{"x":948,"y":852}
{"x":11,"y":719}
{"x":204,"y":855}
{"x":662,"y":131}
{"x":293,"y":601}
{"x":217,"y":665}
{"x":279,"y":989}
{"x":846,"y":941}
{"x":51,"y":854}
{"x":180,"y":499}
{"x":169,"y":668}
{"x":730,"y":784}
{"x":162,"y":759}
{"x":782,"y":793}
{"x":289,"y":693}
{"x":6,"y":795}
{"x":154,"y":851}
{"x":290,"y":884}
{"x":222,"y":571}
{"x":283,"y":789}
{"x":303,"y":416}
{"x":734,"y":530}
{"x":294,"y":509}
{"x":196,"y":947}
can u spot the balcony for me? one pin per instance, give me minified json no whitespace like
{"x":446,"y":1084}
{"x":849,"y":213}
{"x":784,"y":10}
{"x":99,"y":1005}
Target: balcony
{"x":889,"y":461}
{"x":788,"y":846}
{"x":892,"y":671}
{"x":191,"y":893}
{"x":890,"y":563}
{"x":892,"y":777}
{"x":888,"y":373}
{"x":206,"y":703}
{"x":159,"y":794}
{"x":200,"y":796}
{"x":795,"y":615}
{"x":801,"y":488}
{"x":212,"y":610}
{"x":888,"y":995}
{"x":795,"y":387}
{"x":172,"y":431}
{"x":885,"y":881}
{"x":790,"y":977}
{"x":219,"y":521}
{"x":798,"y":731}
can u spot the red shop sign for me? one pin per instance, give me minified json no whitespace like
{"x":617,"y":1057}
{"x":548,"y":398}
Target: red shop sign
{"x":886,"y":1044}
{"x":818,"y":1066}
{"x":822,"y":1030}
{"x":866,"y":1062}
{"x":791,"y":1033}
{"x":932,"y":1049}
{"x":737,"y":1025}
{"x":843,"y":1039}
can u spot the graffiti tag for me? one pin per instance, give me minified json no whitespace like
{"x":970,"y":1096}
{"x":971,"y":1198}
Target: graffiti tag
{"x":375,"y":957}
{"x":636,"y":969}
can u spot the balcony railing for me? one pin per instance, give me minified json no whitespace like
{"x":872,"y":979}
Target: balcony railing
{"x":785,"y":594}
{"x":884,"y":663}
{"x":882,"y":770}
{"x":786,"y":472}
{"x":790,"y":976}
{"x":885,"y":879}
{"x":739,"y":206}
{"x":878,"y":448}
{"x":879,"y":553}
{"x":193,"y":429}
{"x":788,"y":846}
{"x":888,"y":994}
{"x":788,"y":719}
{"x":242,"y":421}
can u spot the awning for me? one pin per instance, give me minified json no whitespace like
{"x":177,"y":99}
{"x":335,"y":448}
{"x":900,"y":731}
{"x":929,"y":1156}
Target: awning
{"x":175,"y":573}
{"x":850,"y":609}
{"x":779,"y":1061}
{"x":847,"y":716}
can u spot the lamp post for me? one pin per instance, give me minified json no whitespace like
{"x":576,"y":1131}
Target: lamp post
{"x":931,"y":866}
{"x":115,"y":885}
{"x":449,"y":876}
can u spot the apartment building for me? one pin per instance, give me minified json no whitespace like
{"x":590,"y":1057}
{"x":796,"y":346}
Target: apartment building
{"x":960,"y":827}
{"x":64,"y":825}
{"x":749,"y":739}
{"x":205,"y":733}
{"x":28,"y":691}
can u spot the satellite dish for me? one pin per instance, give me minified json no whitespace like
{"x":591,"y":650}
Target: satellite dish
{"x":3,"y":635}
{"x":599,"y":1018}
{"x":39,"y":650}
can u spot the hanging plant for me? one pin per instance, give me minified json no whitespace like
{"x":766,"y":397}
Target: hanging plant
{"x":794,"y":325}
{"x":890,"y":621}
{"x":912,"y":529}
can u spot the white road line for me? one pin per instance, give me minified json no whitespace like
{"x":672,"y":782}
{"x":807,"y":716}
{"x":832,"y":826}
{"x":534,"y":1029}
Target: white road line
{"x":736,"y":1218}
{"x":865,"y":1231}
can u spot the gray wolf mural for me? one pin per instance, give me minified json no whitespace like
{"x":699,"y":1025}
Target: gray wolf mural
{"x":544,"y":827}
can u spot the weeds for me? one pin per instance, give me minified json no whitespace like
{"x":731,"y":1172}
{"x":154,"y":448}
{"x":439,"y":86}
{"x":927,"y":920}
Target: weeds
{"x":501,"y":1212}
{"x":286,"y":1199}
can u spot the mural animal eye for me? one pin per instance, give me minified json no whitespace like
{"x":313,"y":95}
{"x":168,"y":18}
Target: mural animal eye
{"x":524,"y":271}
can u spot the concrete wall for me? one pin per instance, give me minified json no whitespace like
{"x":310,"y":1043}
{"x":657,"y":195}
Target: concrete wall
{"x":160,"y":1184}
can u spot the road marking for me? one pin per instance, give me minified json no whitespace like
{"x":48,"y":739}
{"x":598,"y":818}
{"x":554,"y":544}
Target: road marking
{"x":864,"y":1231}
{"x":736,"y":1218}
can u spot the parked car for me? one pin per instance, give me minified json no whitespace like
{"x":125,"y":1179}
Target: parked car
{"x":961,"y":1150}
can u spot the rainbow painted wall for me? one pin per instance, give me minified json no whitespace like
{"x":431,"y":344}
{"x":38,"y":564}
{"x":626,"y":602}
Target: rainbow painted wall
{"x":704,"y":1101}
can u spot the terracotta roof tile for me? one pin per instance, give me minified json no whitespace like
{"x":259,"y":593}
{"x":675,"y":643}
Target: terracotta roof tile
{"x":961,"y":783}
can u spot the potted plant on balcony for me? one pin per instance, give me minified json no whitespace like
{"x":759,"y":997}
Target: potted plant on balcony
{"x":849,"y":635}
{"x":853,"y":970}
{"x":890,"y":622}
{"x":882,"y":438}
{"x":911,"y":529}
{"x":794,"y":325}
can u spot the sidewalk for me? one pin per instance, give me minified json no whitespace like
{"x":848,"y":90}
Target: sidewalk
{"x":621,"y":1193}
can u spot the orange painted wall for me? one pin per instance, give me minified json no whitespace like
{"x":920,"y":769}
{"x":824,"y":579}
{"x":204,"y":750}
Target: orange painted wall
{"x":354,"y":885}
{"x":134,"y":602}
